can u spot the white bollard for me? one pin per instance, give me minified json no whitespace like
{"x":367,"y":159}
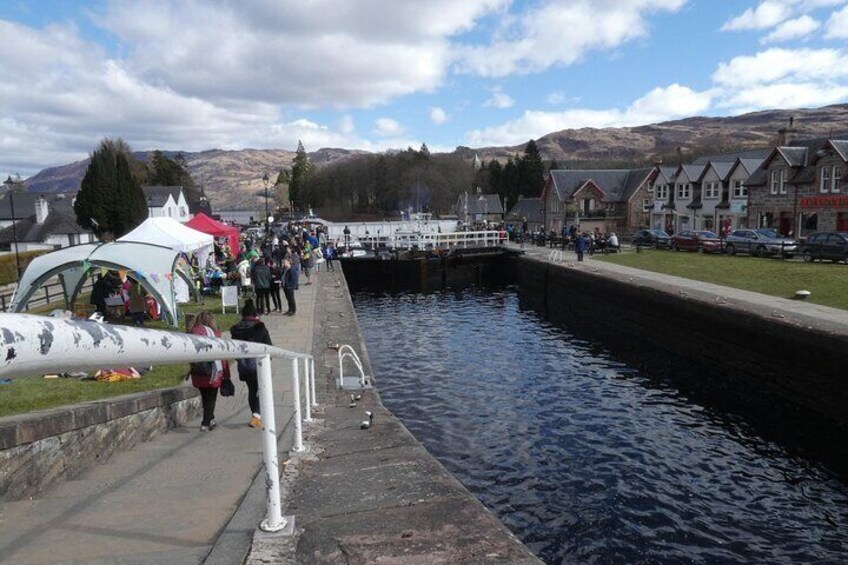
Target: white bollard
{"x":298,"y":423}
{"x":274,"y":520}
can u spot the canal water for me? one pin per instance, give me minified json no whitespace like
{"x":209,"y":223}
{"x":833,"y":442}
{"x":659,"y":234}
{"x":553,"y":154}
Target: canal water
{"x":585,"y":458}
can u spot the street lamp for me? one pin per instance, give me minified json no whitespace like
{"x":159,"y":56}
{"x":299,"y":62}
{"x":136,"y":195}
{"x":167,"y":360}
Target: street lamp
{"x":10,"y":185}
{"x":267,"y":223}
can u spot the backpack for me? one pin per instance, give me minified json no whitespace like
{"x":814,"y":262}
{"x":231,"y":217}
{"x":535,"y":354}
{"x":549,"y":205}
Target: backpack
{"x":246,"y":365}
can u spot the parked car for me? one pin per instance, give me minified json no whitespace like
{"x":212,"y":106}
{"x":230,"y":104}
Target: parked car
{"x":826,"y":245}
{"x":760,"y":243}
{"x":651,"y":238}
{"x":701,"y":241}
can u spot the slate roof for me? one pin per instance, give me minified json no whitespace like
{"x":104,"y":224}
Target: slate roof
{"x":27,"y":230}
{"x":731,"y":157}
{"x":480,"y":204}
{"x":617,"y":184}
{"x":530,"y":208}
{"x":25,"y":203}
{"x":694,"y":172}
{"x":157,"y":195}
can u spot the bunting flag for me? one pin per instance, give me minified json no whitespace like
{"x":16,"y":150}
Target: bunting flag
{"x":169,"y":276}
{"x":104,"y":271}
{"x":86,"y":265}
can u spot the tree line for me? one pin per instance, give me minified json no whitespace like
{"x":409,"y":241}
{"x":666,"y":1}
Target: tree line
{"x":408,"y":180}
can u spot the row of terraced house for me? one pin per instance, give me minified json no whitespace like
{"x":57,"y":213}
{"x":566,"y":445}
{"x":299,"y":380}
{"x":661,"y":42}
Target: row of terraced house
{"x":796,"y":188}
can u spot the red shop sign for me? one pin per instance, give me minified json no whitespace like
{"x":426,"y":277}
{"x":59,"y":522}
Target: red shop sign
{"x":839,"y":201}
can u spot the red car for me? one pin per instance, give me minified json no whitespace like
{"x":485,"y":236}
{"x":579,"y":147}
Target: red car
{"x":701,"y":241}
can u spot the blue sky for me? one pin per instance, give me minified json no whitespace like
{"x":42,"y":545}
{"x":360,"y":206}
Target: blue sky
{"x":386,"y":74}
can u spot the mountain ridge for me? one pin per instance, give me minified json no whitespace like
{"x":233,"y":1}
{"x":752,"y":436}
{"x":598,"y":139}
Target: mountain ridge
{"x":233,"y":178}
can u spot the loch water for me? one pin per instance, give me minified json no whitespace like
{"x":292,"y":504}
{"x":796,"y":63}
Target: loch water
{"x":584,"y":457}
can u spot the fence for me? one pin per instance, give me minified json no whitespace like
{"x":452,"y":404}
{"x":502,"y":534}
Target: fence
{"x":52,"y":292}
{"x":36,"y":345}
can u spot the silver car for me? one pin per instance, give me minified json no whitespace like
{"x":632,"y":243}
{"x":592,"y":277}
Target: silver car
{"x":761,"y":242}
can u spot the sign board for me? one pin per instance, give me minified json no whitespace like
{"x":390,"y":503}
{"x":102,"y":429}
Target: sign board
{"x":836,"y":201}
{"x":738,"y":207}
{"x":229,"y":297}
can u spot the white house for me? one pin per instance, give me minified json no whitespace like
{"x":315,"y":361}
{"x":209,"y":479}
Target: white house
{"x":167,"y":202}
{"x":41,"y":222}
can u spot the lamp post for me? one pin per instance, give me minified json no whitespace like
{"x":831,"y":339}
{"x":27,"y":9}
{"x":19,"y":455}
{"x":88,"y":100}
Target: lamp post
{"x":267,"y":223}
{"x":10,"y":185}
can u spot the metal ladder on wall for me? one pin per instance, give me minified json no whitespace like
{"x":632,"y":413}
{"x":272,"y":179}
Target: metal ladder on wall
{"x":359,"y":381}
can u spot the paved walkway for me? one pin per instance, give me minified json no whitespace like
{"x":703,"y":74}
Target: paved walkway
{"x":786,"y":310}
{"x":170,"y":500}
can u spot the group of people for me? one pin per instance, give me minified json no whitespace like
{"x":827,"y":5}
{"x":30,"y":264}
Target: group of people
{"x":208,"y":378}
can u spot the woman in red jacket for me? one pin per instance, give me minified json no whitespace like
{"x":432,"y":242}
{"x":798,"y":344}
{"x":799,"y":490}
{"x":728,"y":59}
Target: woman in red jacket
{"x":207,"y":377}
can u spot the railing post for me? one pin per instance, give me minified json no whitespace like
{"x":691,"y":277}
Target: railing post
{"x":312,"y":379}
{"x":307,"y":391}
{"x":274,"y":520}
{"x":298,"y":423}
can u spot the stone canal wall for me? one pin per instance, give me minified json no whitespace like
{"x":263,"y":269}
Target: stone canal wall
{"x":746,"y":345}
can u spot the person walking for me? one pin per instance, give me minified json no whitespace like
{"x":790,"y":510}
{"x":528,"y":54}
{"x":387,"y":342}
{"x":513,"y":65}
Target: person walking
{"x":289,"y":287}
{"x":251,"y":328}
{"x":329,"y":255}
{"x":261,"y":275}
{"x":207,"y":376}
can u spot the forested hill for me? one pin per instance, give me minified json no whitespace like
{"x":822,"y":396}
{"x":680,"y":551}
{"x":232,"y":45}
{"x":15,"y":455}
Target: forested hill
{"x":233,"y":178}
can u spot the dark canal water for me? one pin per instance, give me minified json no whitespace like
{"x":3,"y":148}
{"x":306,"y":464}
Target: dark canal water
{"x":586,"y":459}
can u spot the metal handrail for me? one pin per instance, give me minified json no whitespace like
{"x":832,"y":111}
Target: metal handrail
{"x":555,"y":255}
{"x":488,"y":238}
{"x":37,"y":344}
{"x":347,"y":352}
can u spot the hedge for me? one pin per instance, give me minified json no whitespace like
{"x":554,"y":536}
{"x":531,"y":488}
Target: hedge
{"x":7,"y":265}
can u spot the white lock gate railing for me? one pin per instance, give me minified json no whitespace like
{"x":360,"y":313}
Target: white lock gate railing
{"x":33,"y":345}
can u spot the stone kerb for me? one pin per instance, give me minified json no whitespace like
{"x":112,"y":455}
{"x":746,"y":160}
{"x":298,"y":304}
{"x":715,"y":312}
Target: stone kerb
{"x":40,"y":447}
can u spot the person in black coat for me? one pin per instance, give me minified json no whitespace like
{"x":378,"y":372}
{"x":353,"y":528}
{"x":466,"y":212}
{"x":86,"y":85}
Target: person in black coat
{"x":289,"y":286}
{"x":251,"y":328}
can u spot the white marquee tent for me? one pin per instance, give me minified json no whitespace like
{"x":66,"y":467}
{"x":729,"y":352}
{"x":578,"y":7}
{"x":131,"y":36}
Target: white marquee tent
{"x":168,"y":232}
{"x":157,"y":268}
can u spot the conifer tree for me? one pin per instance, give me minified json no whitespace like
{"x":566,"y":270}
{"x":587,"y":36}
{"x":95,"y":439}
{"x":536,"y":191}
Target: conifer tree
{"x":110,"y":201}
{"x":531,"y":170}
{"x":301,"y":169}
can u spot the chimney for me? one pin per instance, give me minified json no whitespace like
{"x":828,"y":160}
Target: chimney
{"x":42,"y":209}
{"x":787,"y":134}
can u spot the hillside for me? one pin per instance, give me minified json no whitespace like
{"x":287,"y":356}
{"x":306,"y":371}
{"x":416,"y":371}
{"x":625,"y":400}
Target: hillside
{"x":234,"y":178}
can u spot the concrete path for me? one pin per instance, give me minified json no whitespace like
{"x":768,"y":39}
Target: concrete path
{"x":171,"y":500}
{"x":785,"y":310}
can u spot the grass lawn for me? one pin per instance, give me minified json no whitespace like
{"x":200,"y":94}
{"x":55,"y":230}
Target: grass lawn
{"x":827,"y":282}
{"x":26,"y":394}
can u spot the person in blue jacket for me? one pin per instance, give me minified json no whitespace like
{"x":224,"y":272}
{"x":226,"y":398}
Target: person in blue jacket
{"x":580,"y":245}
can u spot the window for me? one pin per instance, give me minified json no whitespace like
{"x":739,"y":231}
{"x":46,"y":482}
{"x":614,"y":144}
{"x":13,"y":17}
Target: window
{"x":647,"y":205}
{"x":835,"y":177}
{"x":683,"y":190}
{"x":711,"y":189}
{"x":182,"y":211}
{"x":824,"y":179}
{"x":777,"y":182}
{"x":662,"y":192}
{"x":739,"y":189}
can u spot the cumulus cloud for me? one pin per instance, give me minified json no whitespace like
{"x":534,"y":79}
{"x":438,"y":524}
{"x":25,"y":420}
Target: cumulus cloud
{"x":387,"y":127}
{"x":534,"y":40}
{"x":767,"y":14}
{"x":837,"y":25}
{"x":438,"y":116}
{"x":499,"y":99}
{"x":792,"y":29}
{"x":673,"y":101}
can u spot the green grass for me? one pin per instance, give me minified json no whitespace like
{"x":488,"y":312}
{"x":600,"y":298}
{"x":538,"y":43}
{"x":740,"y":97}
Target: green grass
{"x":827,"y":282}
{"x":27,"y":394}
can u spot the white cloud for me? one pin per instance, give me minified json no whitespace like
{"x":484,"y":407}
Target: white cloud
{"x":535,"y":40}
{"x":792,"y":29}
{"x":555,"y":98}
{"x":660,"y":104}
{"x":346,"y":125}
{"x":773,"y":65}
{"x":837,"y":25}
{"x":438,"y":116}
{"x":767,"y":14}
{"x":387,"y":127}
{"x":499,"y":99}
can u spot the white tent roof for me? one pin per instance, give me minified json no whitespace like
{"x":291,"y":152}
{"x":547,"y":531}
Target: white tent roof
{"x":170,"y":233}
{"x":154,"y":266}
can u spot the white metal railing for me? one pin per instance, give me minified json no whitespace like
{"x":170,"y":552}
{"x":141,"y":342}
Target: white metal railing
{"x":31,"y":345}
{"x":555,"y":255}
{"x":347,"y":352}
{"x":448,"y":240}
